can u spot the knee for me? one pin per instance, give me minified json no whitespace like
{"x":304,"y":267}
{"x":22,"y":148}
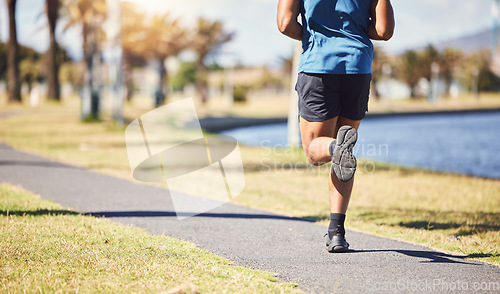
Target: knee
{"x":313,"y":160}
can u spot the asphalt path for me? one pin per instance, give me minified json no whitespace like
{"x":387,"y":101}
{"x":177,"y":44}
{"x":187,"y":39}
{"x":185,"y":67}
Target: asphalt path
{"x":291,"y":247}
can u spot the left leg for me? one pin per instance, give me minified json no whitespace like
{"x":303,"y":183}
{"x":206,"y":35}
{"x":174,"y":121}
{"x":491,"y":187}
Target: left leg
{"x":316,"y":137}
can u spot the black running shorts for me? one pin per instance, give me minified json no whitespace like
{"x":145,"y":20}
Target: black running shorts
{"x":325,"y":96}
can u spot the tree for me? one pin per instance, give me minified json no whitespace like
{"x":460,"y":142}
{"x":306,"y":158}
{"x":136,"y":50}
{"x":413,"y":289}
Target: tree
{"x":29,"y":66}
{"x":3,"y":58}
{"x":30,"y":71}
{"x":451,"y":61}
{"x":207,"y":39}
{"x":132,"y":29}
{"x":409,"y":70}
{"x":90,"y":14}
{"x":479,"y":72}
{"x":428,"y":57}
{"x":52,"y":9}
{"x":163,"y":37}
{"x":379,"y":59}
{"x":184,"y":76}
{"x":14,"y":89}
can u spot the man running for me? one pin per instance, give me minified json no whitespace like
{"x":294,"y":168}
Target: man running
{"x":333,"y":86}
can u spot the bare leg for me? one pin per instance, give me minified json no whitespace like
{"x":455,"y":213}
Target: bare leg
{"x":316,"y":137}
{"x":340,"y":192}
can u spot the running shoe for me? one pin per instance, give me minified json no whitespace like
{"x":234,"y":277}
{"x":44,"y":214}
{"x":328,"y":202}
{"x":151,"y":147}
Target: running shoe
{"x":343,"y":161}
{"x":337,"y":244}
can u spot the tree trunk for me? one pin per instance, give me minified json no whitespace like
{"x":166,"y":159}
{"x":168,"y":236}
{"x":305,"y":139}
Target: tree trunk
{"x":201,"y":81}
{"x":14,"y":89}
{"x":52,"y":8}
{"x":92,"y":60}
{"x":160,"y":92}
{"x":375,"y":91}
{"x":127,"y":76}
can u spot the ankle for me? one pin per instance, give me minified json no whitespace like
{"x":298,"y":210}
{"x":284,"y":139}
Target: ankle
{"x":336,"y":226}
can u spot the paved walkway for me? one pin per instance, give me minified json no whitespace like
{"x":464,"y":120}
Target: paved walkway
{"x":293,"y":248}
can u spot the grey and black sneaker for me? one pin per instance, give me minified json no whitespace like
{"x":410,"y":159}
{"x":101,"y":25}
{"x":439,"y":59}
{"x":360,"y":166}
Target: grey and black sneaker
{"x":343,"y":161}
{"x":337,"y":244}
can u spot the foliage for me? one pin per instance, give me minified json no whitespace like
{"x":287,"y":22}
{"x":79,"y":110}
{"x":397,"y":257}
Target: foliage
{"x":71,"y":73}
{"x":30,"y":71}
{"x":185,"y":75}
{"x":132,"y":20}
{"x":206,"y":40}
{"x":380,"y":59}
{"x":240,"y":94}
{"x":90,"y":15}
{"x":214,"y":67}
{"x":454,"y":65}
{"x":480,"y":62}
{"x":452,"y":61}
{"x":409,"y":70}
{"x":425,"y":60}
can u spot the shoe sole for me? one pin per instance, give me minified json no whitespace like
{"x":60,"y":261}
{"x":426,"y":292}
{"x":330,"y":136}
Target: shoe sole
{"x":343,"y":161}
{"x":338,"y":244}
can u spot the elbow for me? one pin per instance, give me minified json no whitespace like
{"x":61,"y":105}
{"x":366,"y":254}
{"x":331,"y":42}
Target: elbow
{"x":385,"y":34}
{"x":284,"y":25}
{"x":283,"y":29}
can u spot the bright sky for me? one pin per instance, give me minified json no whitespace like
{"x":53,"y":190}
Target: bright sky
{"x":257,"y":40}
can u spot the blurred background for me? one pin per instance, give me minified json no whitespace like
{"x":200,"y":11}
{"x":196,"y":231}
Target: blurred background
{"x":106,"y":55}
{"x":58,"y":48}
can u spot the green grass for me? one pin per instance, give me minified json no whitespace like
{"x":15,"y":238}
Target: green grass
{"x":444,"y":211}
{"x":46,"y":248}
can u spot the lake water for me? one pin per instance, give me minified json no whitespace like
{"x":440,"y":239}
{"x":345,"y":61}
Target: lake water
{"x":465,"y":143}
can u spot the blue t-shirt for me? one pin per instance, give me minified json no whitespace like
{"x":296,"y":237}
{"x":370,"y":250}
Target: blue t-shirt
{"x":335,"y":37}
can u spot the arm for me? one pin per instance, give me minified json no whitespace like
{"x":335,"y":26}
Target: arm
{"x":382,"y":25}
{"x":288,"y":11}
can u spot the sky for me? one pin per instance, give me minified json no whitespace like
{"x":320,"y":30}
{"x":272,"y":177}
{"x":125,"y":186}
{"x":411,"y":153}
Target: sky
{"x":257,"y":40}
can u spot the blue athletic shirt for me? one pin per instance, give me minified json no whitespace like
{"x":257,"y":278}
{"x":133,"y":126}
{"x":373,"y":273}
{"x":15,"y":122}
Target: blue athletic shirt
{"x":335,"y":37}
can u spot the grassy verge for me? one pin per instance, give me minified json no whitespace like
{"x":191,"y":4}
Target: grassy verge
{"x":449,"y":212}
{"x":46,"y":248}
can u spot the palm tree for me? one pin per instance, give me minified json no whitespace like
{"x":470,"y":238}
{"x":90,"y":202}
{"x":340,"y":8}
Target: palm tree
{"x":452,"y":60}
{"x":14,"y":89}
{"x":52,"y":9}
{"x":206,"y":40}
{"x":409,"y":70}
{"x":379,"y":59}
{"x":133,"y":28}
{"x":163,"y":38}
{"x":90,"y":14}
{"x":429,"y":56}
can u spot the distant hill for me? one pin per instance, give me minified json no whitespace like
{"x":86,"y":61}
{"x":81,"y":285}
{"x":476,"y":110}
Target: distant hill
{"x":473,"y":43}
{"x":469,"y":43}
